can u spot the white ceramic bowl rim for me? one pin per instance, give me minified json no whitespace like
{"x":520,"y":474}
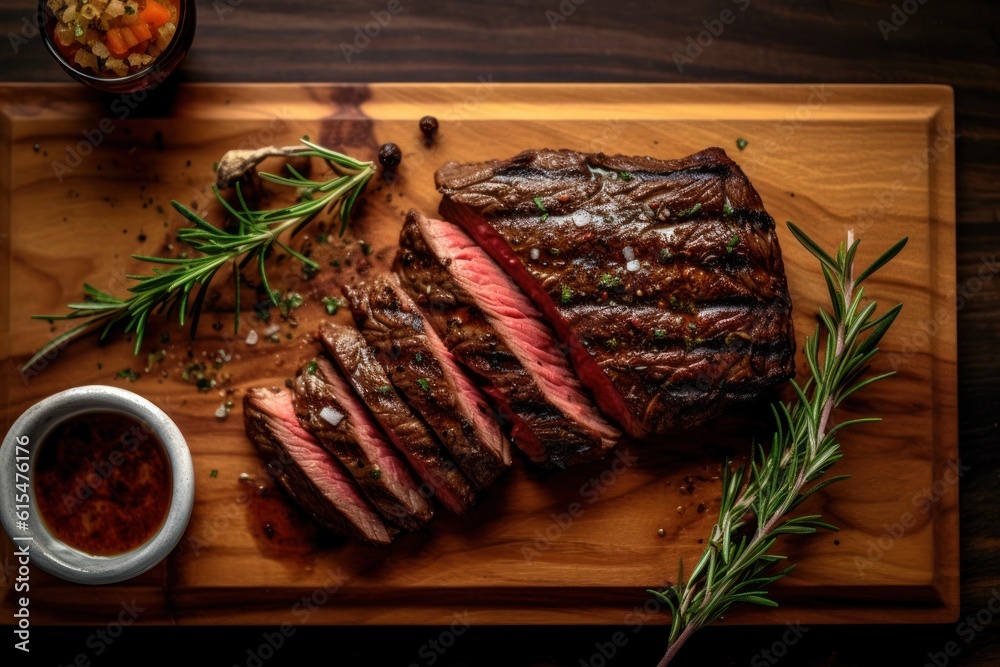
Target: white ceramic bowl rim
{"x":54,"y":556}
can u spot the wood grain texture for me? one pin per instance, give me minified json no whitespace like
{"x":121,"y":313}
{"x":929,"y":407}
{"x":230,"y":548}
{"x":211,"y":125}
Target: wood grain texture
{"x":519,"y":557}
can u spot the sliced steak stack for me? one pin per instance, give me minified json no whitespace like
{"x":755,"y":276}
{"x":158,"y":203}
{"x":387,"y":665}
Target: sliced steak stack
{"x":423,"y":370}
{"x":327,"y":407}
{"x":493,"y":329}
{"x":664,"y":278}
{"x":405,"y":429}
{"x":305,"y":470}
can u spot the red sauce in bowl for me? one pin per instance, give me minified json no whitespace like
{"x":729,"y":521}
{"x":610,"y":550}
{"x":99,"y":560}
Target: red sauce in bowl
{"x":102,"y":483}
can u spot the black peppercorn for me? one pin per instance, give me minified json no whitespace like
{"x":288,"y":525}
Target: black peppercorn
{"x":390,"y":155}
{"x":429,"y":126}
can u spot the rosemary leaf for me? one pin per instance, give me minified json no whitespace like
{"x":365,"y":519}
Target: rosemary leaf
{"x":757,"y":498}
{"x":166,"y":290}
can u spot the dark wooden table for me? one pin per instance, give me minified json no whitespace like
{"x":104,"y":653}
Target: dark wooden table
{"x":951,"y":42}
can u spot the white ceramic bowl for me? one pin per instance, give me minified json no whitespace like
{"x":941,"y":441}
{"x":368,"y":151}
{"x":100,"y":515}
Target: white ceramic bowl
{"x":55,"y":556}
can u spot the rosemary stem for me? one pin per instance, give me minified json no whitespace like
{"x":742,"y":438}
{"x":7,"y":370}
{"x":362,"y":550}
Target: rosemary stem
{"x":676,"y":646}
{"x":736,"y":566}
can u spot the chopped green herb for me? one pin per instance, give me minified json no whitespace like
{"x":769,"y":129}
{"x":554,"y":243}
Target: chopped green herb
{"x":311,"y":367}
{"x":741,"y":143}
{"x":130,"y":10}
{"x":332,"y":304}
{"x":625,"y":176}
{"x":365,"y":248}
{"x":99,"y":365}
{"x":608,"y":281}
{"x":424,"y":384}
{"x":691,"y":211}
{"x":419,"y":358}
{"x":214,"y":473}
{"x":665,"y":256}
{"x":375,"y":472}
{"x":77,"y":29}
{"x":567,"y":294}
{"x":692,"y":326}
{"x":289,"y":303}
{"x":385,"y":389}
{"x":204,"y":384}
{"x":127,"y":374}
{"x":541,"y":207}
{"x":727,"y":209}
{"x":322,"y":238}
{"x":334,"y":262}
{"x":659,"y":334}
{"x":215,"y":166}
{"x":554,"y":252}
{"x":732,"y":243}
{"x":611,"y":343}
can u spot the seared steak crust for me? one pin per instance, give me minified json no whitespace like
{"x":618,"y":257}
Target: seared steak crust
{"x":327,"y":407}
{"x":425,"y":373}
{"x":664,"y":278}
{"x":494,"y":330}
{"x":411,"y":436}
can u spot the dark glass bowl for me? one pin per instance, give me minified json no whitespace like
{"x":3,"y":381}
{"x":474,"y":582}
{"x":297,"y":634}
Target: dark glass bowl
{"x":147,"y":78}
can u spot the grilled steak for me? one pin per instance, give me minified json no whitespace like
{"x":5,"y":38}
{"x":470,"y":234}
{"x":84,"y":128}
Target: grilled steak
{"x":492,"y":328}
{"x":358,"y":364}
{"x":305,"y":470}
{"x":327,"y":407}
{"x":664,"y":277}
{"x":426,"y":374}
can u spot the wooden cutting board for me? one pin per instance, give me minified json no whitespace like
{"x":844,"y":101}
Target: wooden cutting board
{"x":79,"y":195}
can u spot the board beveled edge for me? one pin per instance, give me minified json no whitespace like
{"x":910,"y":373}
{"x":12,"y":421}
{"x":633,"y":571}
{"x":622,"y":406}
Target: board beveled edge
{"x":945,"y":586}
{"x":947,"y":579}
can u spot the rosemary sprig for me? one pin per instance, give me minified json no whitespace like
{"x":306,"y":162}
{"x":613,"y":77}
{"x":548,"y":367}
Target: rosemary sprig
{"x":737,"y":565}
{"x":256,"y":233}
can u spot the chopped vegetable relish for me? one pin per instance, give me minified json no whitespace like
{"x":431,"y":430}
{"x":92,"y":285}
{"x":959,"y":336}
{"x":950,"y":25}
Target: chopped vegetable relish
{"x":112,"y":38}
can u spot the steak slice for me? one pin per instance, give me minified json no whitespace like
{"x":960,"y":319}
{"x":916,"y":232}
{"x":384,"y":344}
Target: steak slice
{"x":665,"y":278}
{"x":426,"y":374}
{"x":327,"y":407}
{"x":492,"y":328}
{"x":410,"y":435}
{"x":305,"y":470}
